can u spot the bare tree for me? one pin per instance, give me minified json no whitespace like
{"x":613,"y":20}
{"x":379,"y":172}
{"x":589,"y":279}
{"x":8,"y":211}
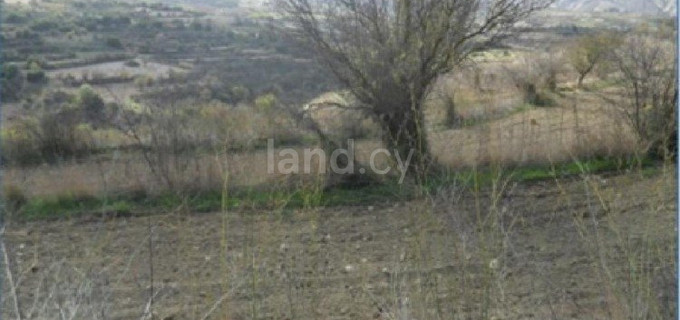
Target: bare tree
{"x":389,"y":53}
{"x":535,"y":76}
{"x":648,"y":65}
{"x":165,"y":136}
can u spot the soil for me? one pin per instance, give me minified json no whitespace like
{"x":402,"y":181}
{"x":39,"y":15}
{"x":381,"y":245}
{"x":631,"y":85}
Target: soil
{"x":525,"y":252}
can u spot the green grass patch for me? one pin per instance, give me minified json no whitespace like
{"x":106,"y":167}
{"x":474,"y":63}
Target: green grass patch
{"x":68,"y":206}
{"x":245,"y":199}
{"x":64,"y":205}
{"x":485,"y":176}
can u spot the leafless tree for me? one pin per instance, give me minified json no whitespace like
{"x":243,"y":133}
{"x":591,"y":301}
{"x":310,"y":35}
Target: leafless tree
{"x":648,"y":65}
{"x":389,"y":53}
{"x":534,"y":75}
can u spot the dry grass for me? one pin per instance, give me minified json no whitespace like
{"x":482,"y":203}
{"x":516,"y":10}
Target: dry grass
{"x":130,"y":173}
{"x":533,"y":136}
{"x":508,"y":252}
{"x":538,"y":135}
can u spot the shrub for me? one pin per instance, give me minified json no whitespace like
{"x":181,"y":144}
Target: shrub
{"x":14,"y":17}
{"x":144,"y":81}
{"x":12,"y":82}
{"x":20,"y":142}
{"x":62,"y":137}
{"x":265,"y":103}
{"x":14,"y":198}
{"x":114,"y":43}
{"x":35,"y":76}
{"x":535,"y":77}
{"x":91,"y":104}
{"x":650,"y":96}
{"x":132,"y":63}
{"x":35,"y":73}
{"x":48,"y":137}
{"x":44,"y":25}
{"x":56,"y":98}
{"x":239,"y":93}
{"x":10,"y":71}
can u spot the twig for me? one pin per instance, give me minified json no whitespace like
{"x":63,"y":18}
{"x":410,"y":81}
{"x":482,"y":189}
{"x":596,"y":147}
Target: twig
{"x":151,"y":293}
{"x":215,"y":305}
{"x":10,"y":278}
{"x":148,"y":309}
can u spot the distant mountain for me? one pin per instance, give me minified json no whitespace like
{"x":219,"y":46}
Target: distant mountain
{"x":654,"y":7}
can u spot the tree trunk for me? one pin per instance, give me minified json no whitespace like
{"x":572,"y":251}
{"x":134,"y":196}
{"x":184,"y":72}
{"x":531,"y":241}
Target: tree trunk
{"x":404,"y":131}
{"x":581,"y":77}
{"x":329,"y":145}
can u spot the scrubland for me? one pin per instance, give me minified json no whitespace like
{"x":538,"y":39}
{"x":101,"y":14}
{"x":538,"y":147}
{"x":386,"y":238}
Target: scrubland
{"x":136,"y":182}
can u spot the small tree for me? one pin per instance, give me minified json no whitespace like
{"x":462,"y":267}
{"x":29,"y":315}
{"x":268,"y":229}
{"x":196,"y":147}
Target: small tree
{"x":161,"y":127}
{"x":648,"y":65}
{"x":265,"y":103}
{"x":239,"y":93}
{"x":589,"y":51}
{"x":114,"y":43}
{"x":90,"y":104}
{"x":61,"y":137}
{"x":35,"y":73}
{"x":535,"y":77}
{"x":390,"y":53}
{"x":12,"y":82}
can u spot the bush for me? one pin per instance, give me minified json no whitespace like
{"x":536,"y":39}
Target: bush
{"x":35,"y":76}
{"x":239,"y":93}
{"x":56,"y":98}
{"x":132,"y":63}
{"x":14,"y":17}
{"x":535,"y":77}
{"x":650,"y":96}
{"x":35,"y":73}
{"x":12,"y":82}
{"x":14,"y":198}
{"x":114,"y":43}
{"x":20,"y":142}
{"x":91,"y":105}
{"x":35,"y":62}
{"x":10,"y":71}
{"x":49,"y":137}
{"x":265,"y":103}
{"x":143,"y":81}
{"x":62,"y":137}
{"x":44,"y":25}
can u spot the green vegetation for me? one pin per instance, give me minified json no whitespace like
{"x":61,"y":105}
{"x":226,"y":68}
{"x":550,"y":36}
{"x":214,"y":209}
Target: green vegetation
{"x":72,"y":206}
{"x":35,"y":74}
{"x":114,"y":43}
{"x":60,"y":128}
{"x":250,"y":199}
{"x":484,"y":177}
{"x":591,"y":51}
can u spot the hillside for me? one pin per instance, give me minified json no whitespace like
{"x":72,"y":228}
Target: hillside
{"x":655,"y":7}
{"x":338,"y":159}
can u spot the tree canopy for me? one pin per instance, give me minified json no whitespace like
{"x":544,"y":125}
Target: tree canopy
{"x":389,"y":53}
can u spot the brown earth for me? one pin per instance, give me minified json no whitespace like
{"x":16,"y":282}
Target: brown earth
{"x":525,"y":251}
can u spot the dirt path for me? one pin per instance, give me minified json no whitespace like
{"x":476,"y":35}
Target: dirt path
{"x":521,"y":254}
